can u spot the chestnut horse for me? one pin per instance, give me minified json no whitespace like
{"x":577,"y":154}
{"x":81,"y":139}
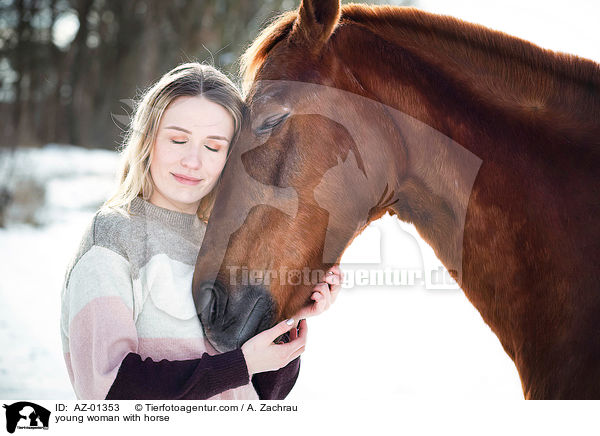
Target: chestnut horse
{"x":489,"y":144}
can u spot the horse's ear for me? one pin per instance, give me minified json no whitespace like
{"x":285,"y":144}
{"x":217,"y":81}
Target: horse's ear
{"x":316,"y":21}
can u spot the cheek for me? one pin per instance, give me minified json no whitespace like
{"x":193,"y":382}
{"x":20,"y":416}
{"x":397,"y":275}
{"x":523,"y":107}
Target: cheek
{"x":163,"y":157}
{"x":216,"y":165}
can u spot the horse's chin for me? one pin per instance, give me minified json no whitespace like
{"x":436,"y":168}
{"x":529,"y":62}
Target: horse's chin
{"x":229,"y":321}
{"x":219,"y":346}
{"x":258,"y":320}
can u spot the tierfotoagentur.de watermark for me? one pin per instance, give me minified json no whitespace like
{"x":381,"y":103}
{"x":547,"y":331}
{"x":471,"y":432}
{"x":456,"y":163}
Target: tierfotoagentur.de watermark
{"x":436,"y":278}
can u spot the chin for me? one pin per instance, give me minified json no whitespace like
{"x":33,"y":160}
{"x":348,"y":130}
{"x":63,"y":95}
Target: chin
{"x":188,"y":201}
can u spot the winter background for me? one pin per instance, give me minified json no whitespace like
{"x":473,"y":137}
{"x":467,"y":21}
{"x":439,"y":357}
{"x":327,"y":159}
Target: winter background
{"x":376,"y":342}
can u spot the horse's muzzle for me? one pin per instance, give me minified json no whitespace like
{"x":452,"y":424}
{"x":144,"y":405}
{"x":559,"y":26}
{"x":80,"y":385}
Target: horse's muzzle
{"x":231,"y":317}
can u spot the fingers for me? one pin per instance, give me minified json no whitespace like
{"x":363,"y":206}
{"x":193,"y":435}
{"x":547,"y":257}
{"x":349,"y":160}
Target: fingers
{"x":301,"y":325}
{"x":277,"y":330}
{"x":303,"y":329}
{"x":335,"y":280}
{"x":261,"y":354}
{"x":322,"y":296}
{"x":335,"y":269}
{"x":324,"y":293}
{"x":297,"y":353}
{"x":302,"y":335}
{"x":292,"y":347}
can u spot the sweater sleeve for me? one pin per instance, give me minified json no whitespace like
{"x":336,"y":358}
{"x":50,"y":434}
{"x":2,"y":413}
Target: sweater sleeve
{"x":276,"y":385}
{"x":102,"y":342}
{"x":97,"y":320}
{"x":197,"y":379}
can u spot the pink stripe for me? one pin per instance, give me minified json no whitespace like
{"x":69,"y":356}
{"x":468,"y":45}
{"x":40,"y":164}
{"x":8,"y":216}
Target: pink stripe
{"x":100,"y":336}
{"x":103,"y":333}
{"x":67,"y":357}
{"x":171,"y":348}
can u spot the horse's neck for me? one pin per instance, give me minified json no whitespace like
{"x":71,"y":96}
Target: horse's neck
{"x":468,"y":84}
{"x":519,"y":112}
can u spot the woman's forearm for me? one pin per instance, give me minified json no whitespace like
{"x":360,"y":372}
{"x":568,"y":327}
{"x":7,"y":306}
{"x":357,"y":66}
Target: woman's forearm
{"x":196,"y":379}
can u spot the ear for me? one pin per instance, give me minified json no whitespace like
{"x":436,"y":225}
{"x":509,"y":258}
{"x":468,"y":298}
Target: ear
{"x":316,"y":22}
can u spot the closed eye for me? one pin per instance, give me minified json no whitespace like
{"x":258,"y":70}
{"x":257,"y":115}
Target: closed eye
{"x":270,"y":123}
{"x":211,"y":149}
{"x":178,"y":142}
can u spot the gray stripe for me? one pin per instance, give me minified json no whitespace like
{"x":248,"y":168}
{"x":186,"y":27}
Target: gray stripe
{"x":148,"y":231}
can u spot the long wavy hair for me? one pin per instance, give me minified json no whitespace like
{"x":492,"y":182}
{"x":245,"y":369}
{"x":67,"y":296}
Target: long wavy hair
{"x":190,"y":79}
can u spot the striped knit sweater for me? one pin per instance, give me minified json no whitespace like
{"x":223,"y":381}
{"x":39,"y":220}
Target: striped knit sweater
{"x":129,"y":326}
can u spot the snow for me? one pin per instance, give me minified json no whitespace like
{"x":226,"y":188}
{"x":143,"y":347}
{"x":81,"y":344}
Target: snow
{"x":33,"y":261}
{"x":405,"y":341}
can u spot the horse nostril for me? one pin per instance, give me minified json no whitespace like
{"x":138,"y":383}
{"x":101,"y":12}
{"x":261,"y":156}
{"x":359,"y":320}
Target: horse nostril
{"x":211,"y":302}
{"x":214,"y":301}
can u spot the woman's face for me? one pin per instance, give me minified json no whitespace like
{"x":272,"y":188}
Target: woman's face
{"x":189,"y":153}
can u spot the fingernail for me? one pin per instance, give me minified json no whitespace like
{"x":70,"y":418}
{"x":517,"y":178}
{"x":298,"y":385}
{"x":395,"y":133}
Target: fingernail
{"x":289,"y":321}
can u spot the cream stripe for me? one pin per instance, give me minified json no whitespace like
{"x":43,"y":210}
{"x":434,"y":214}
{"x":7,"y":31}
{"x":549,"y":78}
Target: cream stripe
{"x":100,"y":272}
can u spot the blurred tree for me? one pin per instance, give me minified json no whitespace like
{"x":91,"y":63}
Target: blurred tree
{"x":67,"y":65}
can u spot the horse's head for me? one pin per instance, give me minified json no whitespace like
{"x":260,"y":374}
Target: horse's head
{"x":283,"y":214}
{"x":317,"y":159}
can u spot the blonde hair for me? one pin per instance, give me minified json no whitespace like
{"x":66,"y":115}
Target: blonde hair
{"x":190,"y":79}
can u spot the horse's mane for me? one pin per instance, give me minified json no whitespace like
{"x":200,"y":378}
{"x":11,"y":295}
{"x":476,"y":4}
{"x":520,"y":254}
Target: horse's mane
{"x":405,"y":20}
{"x":255,"y":55}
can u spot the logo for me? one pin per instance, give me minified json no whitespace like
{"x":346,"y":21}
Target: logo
{"x":26,"y":415}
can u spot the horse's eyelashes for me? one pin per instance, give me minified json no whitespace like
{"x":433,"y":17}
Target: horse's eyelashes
{"x":270,"y":123}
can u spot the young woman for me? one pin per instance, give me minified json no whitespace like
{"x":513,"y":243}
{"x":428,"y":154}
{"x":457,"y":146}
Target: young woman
{"x":129,"y":325}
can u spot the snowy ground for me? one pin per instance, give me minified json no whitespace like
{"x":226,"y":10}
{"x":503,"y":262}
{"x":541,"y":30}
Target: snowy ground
{"x":33,"y":260}
{"x":375,"y":341}
{"x":402,"y":341}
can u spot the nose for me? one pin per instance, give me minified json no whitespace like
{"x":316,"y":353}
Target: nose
{"x":230,"y":319}
{"x":192,"y":157}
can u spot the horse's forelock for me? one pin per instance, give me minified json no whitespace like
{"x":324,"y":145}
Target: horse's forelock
{"x":254,"y":56}
{"x":281,"y":27}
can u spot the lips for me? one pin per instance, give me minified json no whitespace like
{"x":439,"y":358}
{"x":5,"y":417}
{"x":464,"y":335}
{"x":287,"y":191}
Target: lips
{"x":186,"y":180}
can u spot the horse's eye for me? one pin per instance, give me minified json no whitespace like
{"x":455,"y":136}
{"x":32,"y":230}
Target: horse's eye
{"x":270,"y":123}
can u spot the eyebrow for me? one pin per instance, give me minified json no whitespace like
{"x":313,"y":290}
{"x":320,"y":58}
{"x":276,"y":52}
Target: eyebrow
{"x":222,"y":138}
{"x":181,"y":129}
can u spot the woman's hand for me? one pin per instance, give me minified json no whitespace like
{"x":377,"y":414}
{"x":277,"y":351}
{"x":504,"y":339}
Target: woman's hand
{"x":262,"y":354}
{"x":324,"y":293}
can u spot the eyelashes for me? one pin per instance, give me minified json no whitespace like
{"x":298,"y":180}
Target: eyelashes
{"x":215,"y":150}
{"x":270,"y":123}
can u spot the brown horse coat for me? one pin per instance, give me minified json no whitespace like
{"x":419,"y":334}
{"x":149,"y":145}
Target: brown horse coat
{"x":526,"y":252}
